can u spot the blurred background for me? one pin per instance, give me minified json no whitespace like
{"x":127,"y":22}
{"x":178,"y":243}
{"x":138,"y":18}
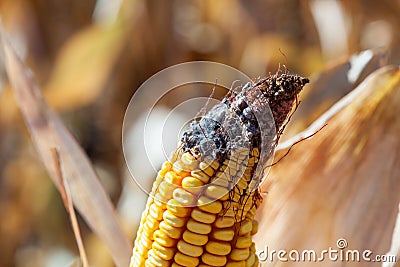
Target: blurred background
{"x":90,"y":56}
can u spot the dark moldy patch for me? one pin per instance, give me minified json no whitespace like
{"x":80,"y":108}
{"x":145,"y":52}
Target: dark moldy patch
{"x":232,"y":123}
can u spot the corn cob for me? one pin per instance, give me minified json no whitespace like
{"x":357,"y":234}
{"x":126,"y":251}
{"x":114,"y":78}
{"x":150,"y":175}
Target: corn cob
{"x":201,"y":208}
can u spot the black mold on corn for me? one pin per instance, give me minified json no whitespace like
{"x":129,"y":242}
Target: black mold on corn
{"x":202,"y":205}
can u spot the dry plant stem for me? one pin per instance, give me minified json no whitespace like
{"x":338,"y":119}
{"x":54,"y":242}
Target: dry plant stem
{"x":67,"y":200}
{"x":48,"y":131}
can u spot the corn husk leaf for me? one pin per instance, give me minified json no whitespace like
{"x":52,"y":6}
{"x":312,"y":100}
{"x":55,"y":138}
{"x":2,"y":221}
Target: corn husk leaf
{"x":48,"y":132}
{"x":342,"y":183}
{"x":330,"y":85}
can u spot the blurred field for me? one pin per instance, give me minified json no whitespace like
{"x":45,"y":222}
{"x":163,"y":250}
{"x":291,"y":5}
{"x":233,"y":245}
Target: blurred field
{"x":89,"y":57}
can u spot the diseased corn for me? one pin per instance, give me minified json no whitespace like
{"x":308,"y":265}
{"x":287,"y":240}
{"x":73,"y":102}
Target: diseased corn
{"x":202,"y":205}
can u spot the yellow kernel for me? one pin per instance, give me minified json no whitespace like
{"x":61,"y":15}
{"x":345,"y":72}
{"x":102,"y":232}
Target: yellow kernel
{"x":173,"y":178}
{"x":206,"y":169}
{"x":164,"y":253}
{"x":180,"y":169}
{"x":146,"y":243}
{"x":184,"y":197}
{"x":189,"y":249}
{"x":192,"y":184}
{"x":176,"y":265}
{"x":166,"y":189}
{"x":194,"y":238}
{"x":199,"y":174}
{"x":173,"y":220}
{"x":186,"y":260}
{"x":213,"y":260}
{"x":202,"y":216}
{"x":156,"y":212}
{"x":170,"y":230}
{"x":197,"y":227}
{"x":151,"y":224}
{"x":177,"y":209}
{"x":218,"y":248}
{"x":163,"y":239}
{"x":245,"y":227}
{"x":166,"y":166}
{"x":189,"y":160}
{"x":250,"y":261}
{"x":217,"y":192}
{"x":160,"y":201}
{"x":236,"y":264}
{"x":239,"y":254}
{"x":223,"y":234}
{"x":243,"y":242}
{"x":224,"y":222}
{"x":157,"y":261}
{"x":208,"y":205}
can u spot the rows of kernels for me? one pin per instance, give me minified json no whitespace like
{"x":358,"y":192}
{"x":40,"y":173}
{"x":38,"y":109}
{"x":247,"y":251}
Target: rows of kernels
{"x":144,"y":237}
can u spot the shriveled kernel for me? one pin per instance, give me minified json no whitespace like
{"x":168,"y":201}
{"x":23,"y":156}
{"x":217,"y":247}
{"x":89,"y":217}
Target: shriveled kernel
{"x":223,"y":234}
{"x":177,"y":209}
{"x":206,"y":169}
{"x":243,"y":242}
{"x":239,"y":254}
{"x":170,"y":230}
{"x":189,"y":249}
{"x":218,"y":248}
{"x":202,"y":216}
{"x":173,"y":220}
{"x":217,"y":192}
{"x":186,"y":260}
{"x":245,"y":227}
{"x":208,"y":205}
{"x":163,"y":239}
{"x":199,"y":174}
{"x":224,"y":222}
{"x":184,"y":197}
{"x":213,"y":260}
{"x":194,"y":238}
{"x":197,"y":227}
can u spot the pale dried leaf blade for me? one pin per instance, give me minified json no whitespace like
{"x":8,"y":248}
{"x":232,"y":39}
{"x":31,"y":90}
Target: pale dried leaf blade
{"x":395,"y":247}
{"x":48,"y":131}
{"x":342,"y":183}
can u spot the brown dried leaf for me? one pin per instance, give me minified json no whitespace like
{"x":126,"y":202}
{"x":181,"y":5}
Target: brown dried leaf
{"x":342,"y":183}
{"x":83,"y":66}
{"x":48,"y":132}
